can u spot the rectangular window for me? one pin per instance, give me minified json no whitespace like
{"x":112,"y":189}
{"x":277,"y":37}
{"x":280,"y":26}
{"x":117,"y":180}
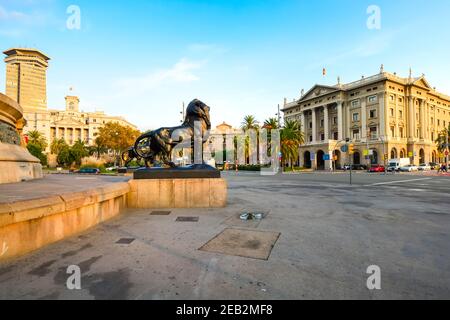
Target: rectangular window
{"x":392,"y":112}
{"x":401,"y":132}
{"x":356,"y":117}
{"x":373,"y":133}
{"x":322,"y":137}
{"x":355,"y":103}
{"x":372,"y":99}
{"x":400,"y":114}
{"x":356,"y":134}
{"x":373,"y":114}
{"x":392,"y":132}
{"x":310,"y":125}
{"x":322,"y":122}
{"x":334,"y":120}
{"x":335,"y":136}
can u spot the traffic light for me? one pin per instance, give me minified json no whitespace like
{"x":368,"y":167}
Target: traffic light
{"x":351,"y":149}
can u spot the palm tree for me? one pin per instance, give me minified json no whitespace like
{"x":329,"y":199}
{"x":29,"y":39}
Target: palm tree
{"x":291,"y":139}
{"x":58,"y":145}
{"x":271,"y":123}
{"x":249,"y":123}
{"x":37,"y":138}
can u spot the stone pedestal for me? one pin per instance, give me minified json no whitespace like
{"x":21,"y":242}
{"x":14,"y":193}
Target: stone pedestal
{"x":16,"y":163}
{"x":177,"y":193}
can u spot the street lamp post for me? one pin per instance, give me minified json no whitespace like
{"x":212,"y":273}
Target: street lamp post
{"x":278,"y":114}
{"x":382,"y":138}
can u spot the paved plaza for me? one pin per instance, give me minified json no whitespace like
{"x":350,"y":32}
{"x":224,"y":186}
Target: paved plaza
{"x":317,"y":238}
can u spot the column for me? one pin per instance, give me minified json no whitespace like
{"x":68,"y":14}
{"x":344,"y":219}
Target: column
{"x":396,"y":128}
{"x":82,"y":134}
{"x":56,"y":132}
{"x":422,"y":118}
{"x":363,"y":132}
{"x":383,"y":116}
{"x":326,"y":123}
{"x":411,"y":118}
{"x":303,"y":123}
{"x":65,"y":135}
{"x":340,"y":121}
{"x":314,"y":129}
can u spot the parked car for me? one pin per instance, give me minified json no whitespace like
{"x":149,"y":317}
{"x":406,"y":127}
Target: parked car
{"x":424,"y":167}
{"x":114,"y":168}
{"x":377,"y":168}
{"x":409,"y":168}
{"x":88,"y":171}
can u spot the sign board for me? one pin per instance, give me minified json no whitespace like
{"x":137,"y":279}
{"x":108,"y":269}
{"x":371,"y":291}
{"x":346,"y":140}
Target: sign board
{"x":313,"y":156}
{"x":370,"y":152}
{"x":326,"y":157}
{"x":344,"y":148}
{"x":365,"y":152}
{"x":410,"y":154}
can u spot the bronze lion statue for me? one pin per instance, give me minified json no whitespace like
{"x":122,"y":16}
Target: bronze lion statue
{"x":156,"y":147}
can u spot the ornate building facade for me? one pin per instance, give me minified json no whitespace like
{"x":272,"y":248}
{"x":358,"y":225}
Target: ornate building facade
{"x":26,"y":83}
{"x":385,"y":116}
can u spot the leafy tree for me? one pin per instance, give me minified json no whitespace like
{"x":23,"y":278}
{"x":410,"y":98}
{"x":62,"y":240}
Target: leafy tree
{"x":36,"y":150}
{"x":291,"y":139}
{"x":77,"y":152}
{"x":443,"y":140}
{"x":116,"y":138}
{"x":98,"y":148}
{"x":64,"y":158}
{"x":37,"y":138}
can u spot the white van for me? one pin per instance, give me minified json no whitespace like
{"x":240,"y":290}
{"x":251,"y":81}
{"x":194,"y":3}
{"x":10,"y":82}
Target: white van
{"x":396,"y":164}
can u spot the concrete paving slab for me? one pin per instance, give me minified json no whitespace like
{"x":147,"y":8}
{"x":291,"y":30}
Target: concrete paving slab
{"x":331,"y":233}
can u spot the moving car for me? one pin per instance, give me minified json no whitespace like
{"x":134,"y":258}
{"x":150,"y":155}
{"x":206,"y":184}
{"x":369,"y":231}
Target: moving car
{"x":377,"y":168}
{"x":88,"y":171}
{"x":355,"y":167}
{"x":424,"y":167}
{"x":409,"y":168}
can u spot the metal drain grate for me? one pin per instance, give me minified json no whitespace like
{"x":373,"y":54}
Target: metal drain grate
{"x":125,"y":241}
{"x":187,"y":219}
{"x":252,"y":216}
{"x":160,"y":213}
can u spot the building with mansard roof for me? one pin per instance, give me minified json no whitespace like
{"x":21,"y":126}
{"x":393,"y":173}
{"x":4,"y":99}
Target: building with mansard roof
{"x":385,"y":116}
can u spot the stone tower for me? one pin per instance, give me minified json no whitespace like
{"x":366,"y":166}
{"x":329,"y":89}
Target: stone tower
{"x":26,"y":78}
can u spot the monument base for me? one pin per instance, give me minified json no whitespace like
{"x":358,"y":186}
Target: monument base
{"x":177,"y":193}
{"x":196,"y":171}
{"x":17,"y":164}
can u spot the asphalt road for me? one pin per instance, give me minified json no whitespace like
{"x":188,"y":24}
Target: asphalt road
{"x":330,"y":233}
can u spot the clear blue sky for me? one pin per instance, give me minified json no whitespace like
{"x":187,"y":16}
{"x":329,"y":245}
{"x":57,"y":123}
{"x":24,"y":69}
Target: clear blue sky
{"x":142,"y":59}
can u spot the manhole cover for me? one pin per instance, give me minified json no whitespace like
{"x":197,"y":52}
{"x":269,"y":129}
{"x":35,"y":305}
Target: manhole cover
{"x":187,"y":219}
{"x":125,"y":241}
{"x":243,"y":243}
{"x":160,"y":213}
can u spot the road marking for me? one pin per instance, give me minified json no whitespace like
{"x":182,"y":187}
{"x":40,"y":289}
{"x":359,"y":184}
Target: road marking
{"x":395,"y":182}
